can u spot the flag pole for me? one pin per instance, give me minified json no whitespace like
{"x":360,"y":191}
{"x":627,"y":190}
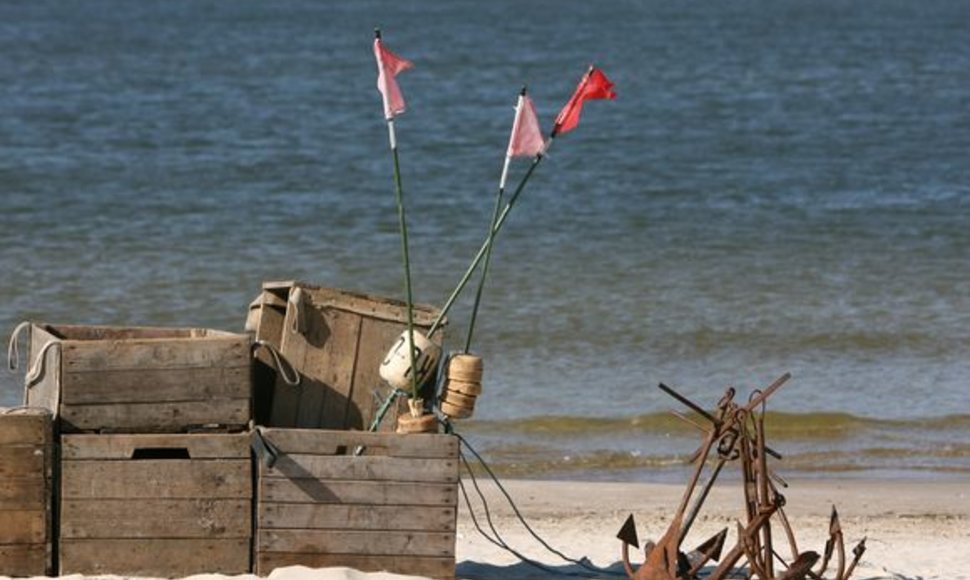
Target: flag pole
{"x":488,"y":241}
{"x":399,"y":195}
{"x":565,"y":121}
{"x":491,"y":233}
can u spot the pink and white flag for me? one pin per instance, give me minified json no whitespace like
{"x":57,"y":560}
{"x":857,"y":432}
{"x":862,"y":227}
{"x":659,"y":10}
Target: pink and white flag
{"x":526,"y":139}
{"x":388,"y":66}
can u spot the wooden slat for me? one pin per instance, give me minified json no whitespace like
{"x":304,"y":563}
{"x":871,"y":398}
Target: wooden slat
{"x":165,"y":558}
{"x":328,"y":442}
{"x":28,"y":427}
{"x":331,"y":338}
{"x":377,"y":543}
{"x":429,"y":567}
{"x":103,"y":355}
{"x":199,"y":446}
{"x":18,"y":493}
{"x":152,"y":518}
{"x":218,"y":478}
{"x":376,"y":338}
{"x":155,"y":417}
{"x":368,"y":305}
{"x":156,"y":385}
{"x":23,"y":560}
{"x":365,"y":468}
{"x":21,"y":460}
{"x":23,"y":527}
{"x":356,"y":517}
{"x":357,"y":492}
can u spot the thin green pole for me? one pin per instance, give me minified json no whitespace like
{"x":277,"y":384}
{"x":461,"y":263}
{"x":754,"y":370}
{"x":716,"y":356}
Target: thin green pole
{"x":488,"y":242}
{"x":488,"y":257}
{"x":399,"y":194}
{"x":491,"y":229}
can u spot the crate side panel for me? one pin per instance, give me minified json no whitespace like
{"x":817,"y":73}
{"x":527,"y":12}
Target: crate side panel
{"x":325,"y":442}
{"x":135,"y":354}
{"x":164,"y":558}
{"x":155,"y":385}
{"x":309,"y":516}
{"x":365,"y":468}
{"x":156,"y":417}
{"x":23,"y":560}
{"x":112,"y":479}
{"x":357,"y":492}
{"x":152,"y":518}
{"x":377,"y":542}
{"x":199,"y":445}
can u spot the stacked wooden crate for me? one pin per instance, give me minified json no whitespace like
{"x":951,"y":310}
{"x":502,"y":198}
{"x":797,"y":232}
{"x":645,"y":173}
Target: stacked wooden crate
{"x":140,"y":379}
{"x":392,"y":507}
{"x":153,"y":483}
{"x":155,"y":505}
{"x":26,"y":462}
{"x":336,"y":341}
{"x":335,"y":495}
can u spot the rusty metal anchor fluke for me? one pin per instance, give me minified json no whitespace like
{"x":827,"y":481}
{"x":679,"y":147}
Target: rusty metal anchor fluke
{"x":735,"y":434}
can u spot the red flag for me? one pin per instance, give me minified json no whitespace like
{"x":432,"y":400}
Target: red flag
{"x":388,"y":66}
{"x":526,"y":139}
{"x":594,"y":85}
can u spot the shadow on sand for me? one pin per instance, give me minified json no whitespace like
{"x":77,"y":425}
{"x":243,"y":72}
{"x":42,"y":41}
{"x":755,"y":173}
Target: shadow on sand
{"x":480,"y":571}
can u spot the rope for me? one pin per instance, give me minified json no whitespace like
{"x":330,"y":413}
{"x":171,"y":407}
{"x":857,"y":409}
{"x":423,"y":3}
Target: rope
{"x":497,"y":540}
{"x":584,"y":563}
{"x":13,"y":351}
{"x":278,"y":360}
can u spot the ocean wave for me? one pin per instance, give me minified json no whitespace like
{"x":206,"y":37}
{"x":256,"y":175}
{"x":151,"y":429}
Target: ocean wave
{"x":778,"y":424}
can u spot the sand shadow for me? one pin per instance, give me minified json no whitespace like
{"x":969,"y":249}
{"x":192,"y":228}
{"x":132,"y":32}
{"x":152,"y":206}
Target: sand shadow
{"x":468,"y":570}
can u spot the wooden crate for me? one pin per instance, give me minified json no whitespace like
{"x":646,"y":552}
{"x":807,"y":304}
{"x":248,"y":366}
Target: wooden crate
{"x":392,"y":508}
{"x":336,"y":340}
{"x":26,"y":462}
{"x":155,"y":505}
{"x":140,"y":380}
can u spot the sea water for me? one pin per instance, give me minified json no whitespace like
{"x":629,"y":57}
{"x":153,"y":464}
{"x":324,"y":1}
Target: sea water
{"x":778,"y":187}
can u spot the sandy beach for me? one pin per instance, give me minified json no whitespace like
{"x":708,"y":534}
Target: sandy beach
{"x":915,"y":529}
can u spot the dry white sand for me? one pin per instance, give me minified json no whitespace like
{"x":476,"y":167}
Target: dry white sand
{"x":915,"y":530}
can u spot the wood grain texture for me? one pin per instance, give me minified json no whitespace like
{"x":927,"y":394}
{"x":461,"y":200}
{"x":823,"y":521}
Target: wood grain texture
{"x":160,"y":558}
{"x":199,"y":446}
{"x":24,"y":560}
{"x":356,"y":492}
{"x":156,"y":518}
{"x":336,"y":517}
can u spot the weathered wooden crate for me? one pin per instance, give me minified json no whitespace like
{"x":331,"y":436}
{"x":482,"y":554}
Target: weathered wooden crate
{"x":336,"y":340}
{"x":155,"y":505}
{"x":26,"y":497}
{"x":140,"y":379}
{"x":391,"y":508}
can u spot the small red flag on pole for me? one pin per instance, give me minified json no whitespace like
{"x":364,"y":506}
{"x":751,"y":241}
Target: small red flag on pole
{"x":388,"y":67}
{"x":594,"y":85}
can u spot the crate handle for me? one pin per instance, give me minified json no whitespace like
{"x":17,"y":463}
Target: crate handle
{"x":278,"y":358}
{"x":161,"y":453}
{"x":13,"y":351}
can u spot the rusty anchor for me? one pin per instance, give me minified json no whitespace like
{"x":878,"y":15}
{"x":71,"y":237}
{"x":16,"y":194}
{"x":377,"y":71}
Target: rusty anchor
{"x":736,"y":433}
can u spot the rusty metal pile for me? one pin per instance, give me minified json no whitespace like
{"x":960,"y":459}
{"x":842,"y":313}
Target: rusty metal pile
{"x":735,"y":433}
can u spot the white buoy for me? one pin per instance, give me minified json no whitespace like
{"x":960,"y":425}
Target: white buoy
{"x":396,"y":367}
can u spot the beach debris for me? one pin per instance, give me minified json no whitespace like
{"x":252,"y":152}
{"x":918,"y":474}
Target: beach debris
{"x":736,"y":433}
